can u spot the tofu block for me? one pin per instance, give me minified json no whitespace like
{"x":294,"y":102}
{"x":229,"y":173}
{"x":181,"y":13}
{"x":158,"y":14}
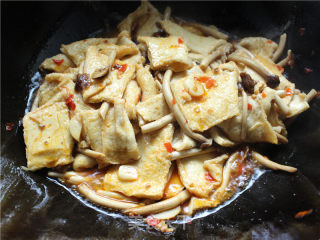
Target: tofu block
{"x":132,"y":96}
{"x":218,"y":103}
{"x":153,"y":108}
{"x":117,"y":83}
{"x":194,"y":42}
{"x":47,"y":137}
{"x":76,"y":51}
{"x":118,"y":138}
{"x":193,"y":174}
{"x":167,"y":53}
{"x":146,"y":82}
{"x":58,"y":63}
{"x":153,"y":167}
{"x":259,"y":46}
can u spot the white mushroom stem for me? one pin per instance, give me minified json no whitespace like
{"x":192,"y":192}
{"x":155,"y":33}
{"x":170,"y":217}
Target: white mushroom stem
{"x":140,"y":121}
{"x":190,"y":152}
{"x":158,"y":124}
{"x":210,"y":30}
{"x":270,"y":164}
{"x":209,"y":59}
{"x":91,"y":153}
{"x":167,"y":13}
{"x":279,"y":51}
{"x":282,"y":138}
{"x":103,"y":201}
{"x":282,"y":105}
{"x":244,"y":115}
{"x":173,"y":105}
{"x":258,"y":67}
{"x":286,"y":60}
{"x":282,"y":93}
{"x":162,"y":205}
{"x":159,"y":85}
{"x":237,"y":46}
{"x":104,"y":110}
{"x":311,"y":95}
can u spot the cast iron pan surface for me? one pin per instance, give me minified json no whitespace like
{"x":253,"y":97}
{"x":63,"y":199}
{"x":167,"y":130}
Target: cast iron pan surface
{"x":36,"y":207}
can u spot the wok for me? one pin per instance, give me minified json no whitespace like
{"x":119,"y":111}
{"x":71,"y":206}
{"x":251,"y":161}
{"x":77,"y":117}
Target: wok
{"x":34,"y":206}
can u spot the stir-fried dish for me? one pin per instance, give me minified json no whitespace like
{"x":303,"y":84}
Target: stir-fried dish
{"x":161,"y":120}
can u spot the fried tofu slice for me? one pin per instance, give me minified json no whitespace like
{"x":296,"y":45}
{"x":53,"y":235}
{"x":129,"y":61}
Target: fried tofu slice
{"x":132,"y":96}
{"x":193,"y":174}
{"x":181,"y":141}
{"x":218,"y":103}
{"x":298,"y":104}
{"x":167,"y":53}
{"x":259,"y":46}
{"x":58,"y":63}
{"x":76,"y":51}
{"x":92,"y":129}
{"x":118,"y":138}
{"x":47,"y":137}
{"x":117,"y":82}
{"x":152,"y":168}
{"x":146,"y":82}
{"x":258,"y":128}
{"x":194,"y":42}
{"x":153,"y":108}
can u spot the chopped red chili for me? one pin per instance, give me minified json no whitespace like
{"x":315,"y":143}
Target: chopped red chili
{"x":211,"y":83}
{"x":84,"y":40}
{"x":302,"y":214}
{"x":281,"y":69}
{"x":302,"y":31}
{"x":173,"y":101}
{"x":249,"y":106}
{"x":58,"y":61}
{"x":9,"y":126}
{"x":208,"y":177}
{"x":70,"y":103}
{"x":180,"y":40}
{"x":153,"y":221}
{"x":139,"y":97}
{"x":269,"y":41}
{"x":263,"y":95}
{"x":289,"y":92}
{"x":106,"y":41}
{"x":308,"y":70}
{"x":121,"y":68}
{"x":168,"y":147}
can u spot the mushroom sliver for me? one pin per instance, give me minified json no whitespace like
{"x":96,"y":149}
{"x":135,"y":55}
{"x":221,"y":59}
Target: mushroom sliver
{"x":47,"y":137}
{"x":117,"y":84}
{"x":167,"y":53}
{"x":153,"y":108}
{"x":194,"y":176}
{"x":194,"y":42}
{"x":153,"y":167}
{"x":218,"y":103}
{"x":118,"y":138}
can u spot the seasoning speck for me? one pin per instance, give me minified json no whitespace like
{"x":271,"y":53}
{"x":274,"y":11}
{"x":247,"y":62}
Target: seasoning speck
{"x":9,"y":126}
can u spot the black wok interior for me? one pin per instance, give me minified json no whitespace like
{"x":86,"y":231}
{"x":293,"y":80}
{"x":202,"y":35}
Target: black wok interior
{"x":35,"y":207}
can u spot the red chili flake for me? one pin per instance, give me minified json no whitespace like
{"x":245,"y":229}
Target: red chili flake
{"x":189,"y":221}
{"x":168,"y":147}
{"x":211,"y":83}
{"x":269,"y":41}
{"x":187,"y":121}
{"x":180,"y":40}
{"x":70,"y":103}
{"x":301,"y":31}
{"x":281,"y":69}
{"x":84,"y":40}
{"x":9,"y":126}
{"x":153,"y":221}
{"x":58,"y":61}
{"x":249,"y":106}
{"x":208,"y":177}
{"x":263,"y":95}
{"x":139,"y":97}
{"x":120,"y":68}
{"x":308,"y":70}
{"x":289,"y":92}
{"x":106,"y":41}
{"x":173,"y":101}
{"x":302,"y":214}
{"x":125,"y":100}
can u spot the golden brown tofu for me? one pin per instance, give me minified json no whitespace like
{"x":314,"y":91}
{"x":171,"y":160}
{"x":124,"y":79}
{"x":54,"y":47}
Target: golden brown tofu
{"x":218,"y":102}
{"x":153,"y":108}
{"x":58,"y":63}
{"x":146,"y":82}
{"x":194,"y":42}
{"x":152,"y":167}
{"x":259,"y":46}
{"x":47,"y":137}
{"x":131,"y":97}
{"x":193,"y":175}
{"x":167,"y":53}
